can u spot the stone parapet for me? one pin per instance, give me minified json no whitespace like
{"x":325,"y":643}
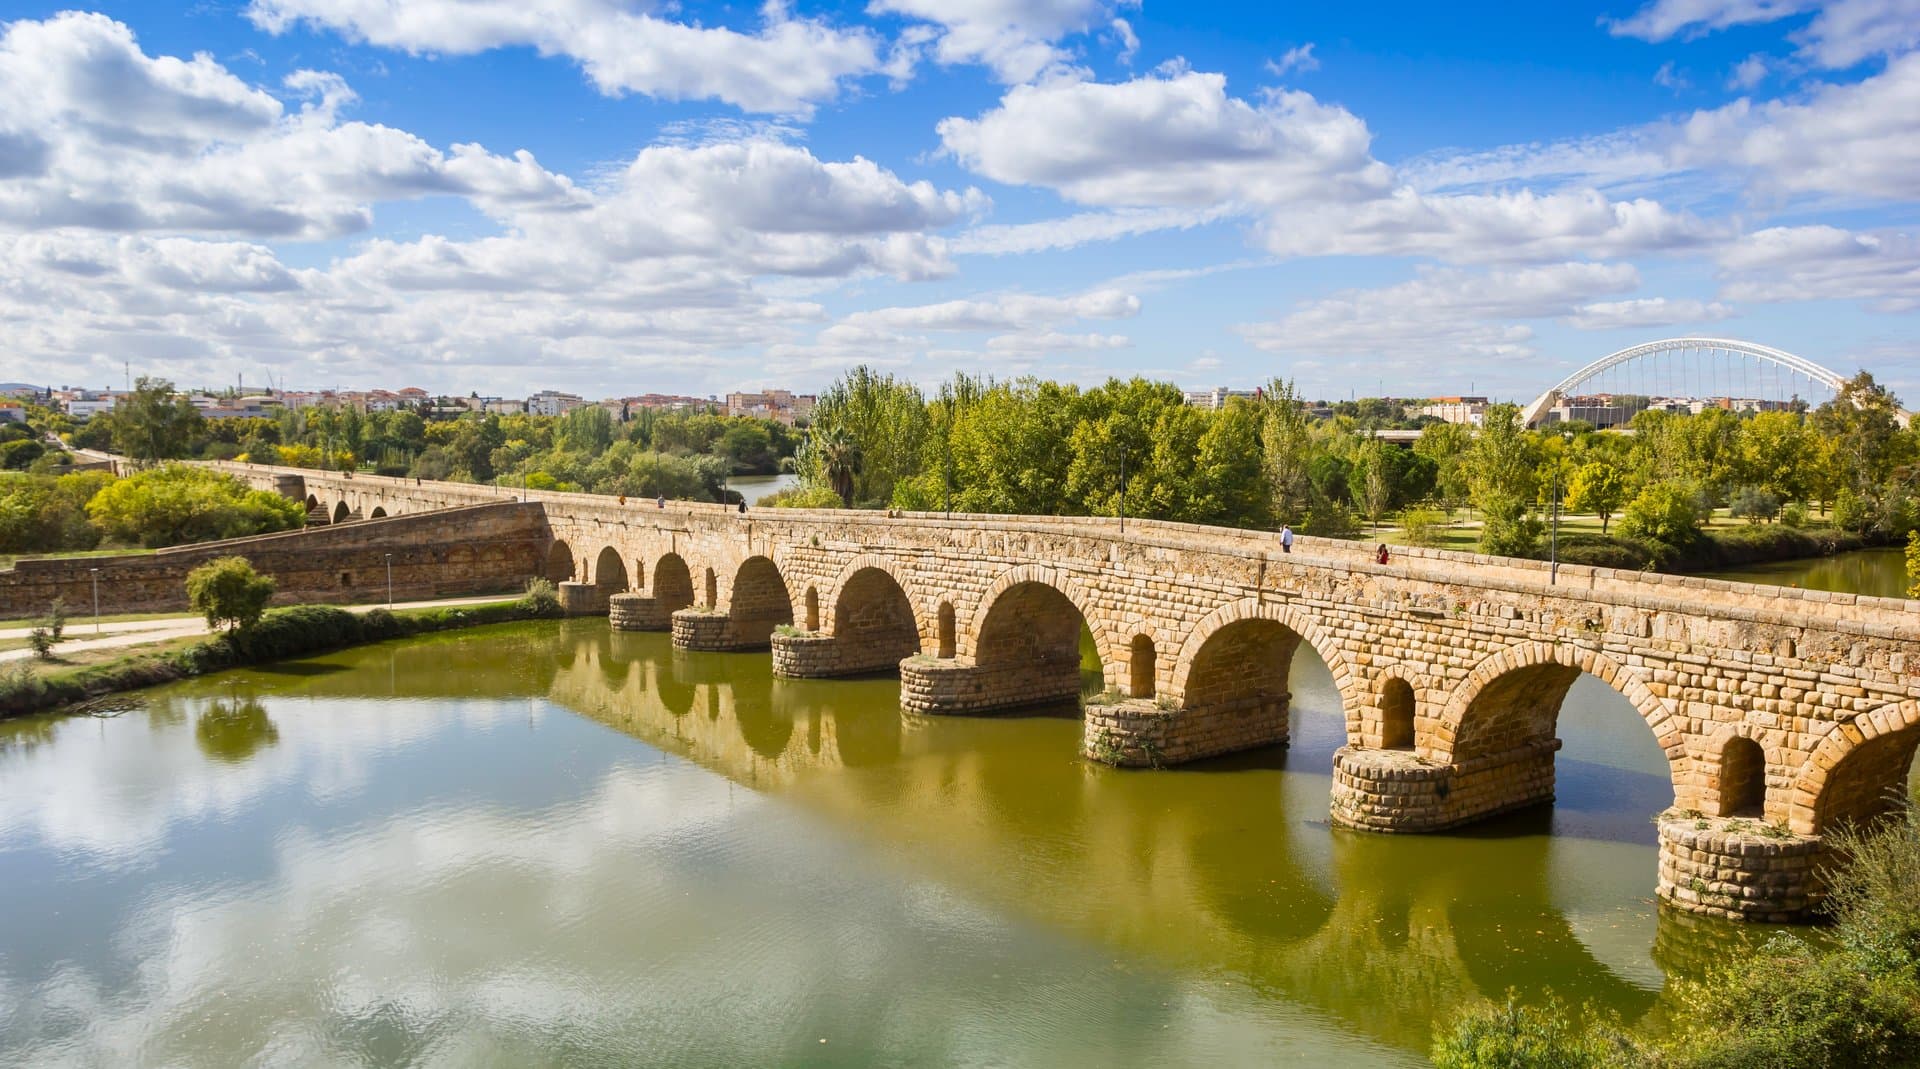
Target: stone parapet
{"x":583,"y":599}
{"x":1739,"y":869}
{"x":638,"y":612}
{"x":948,"y":687}
{"x":1400,"y":791}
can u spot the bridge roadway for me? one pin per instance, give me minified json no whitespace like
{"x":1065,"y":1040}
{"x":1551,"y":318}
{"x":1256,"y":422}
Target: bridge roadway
{"x":1783,"y":713}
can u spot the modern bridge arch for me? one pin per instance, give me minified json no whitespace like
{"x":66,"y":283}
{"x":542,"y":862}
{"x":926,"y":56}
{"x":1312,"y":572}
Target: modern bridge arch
{"x":1752,"y":350}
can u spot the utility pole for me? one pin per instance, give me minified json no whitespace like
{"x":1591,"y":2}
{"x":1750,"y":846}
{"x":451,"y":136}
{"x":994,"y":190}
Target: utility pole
{"x":1123,"y":489}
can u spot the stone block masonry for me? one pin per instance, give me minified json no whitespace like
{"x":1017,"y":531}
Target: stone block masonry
{"x":1801,"y":707}
{"x":477,"y":549}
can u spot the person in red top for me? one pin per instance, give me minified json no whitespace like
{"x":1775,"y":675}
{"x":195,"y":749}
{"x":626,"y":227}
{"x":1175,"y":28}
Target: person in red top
{"x":1382,"y":555}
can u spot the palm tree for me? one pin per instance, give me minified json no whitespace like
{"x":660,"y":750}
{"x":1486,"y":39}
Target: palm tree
{"x":840,"y":458}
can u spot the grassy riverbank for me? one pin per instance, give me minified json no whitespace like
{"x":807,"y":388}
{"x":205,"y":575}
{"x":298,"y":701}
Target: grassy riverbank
{"x":295,"y":631}
{"x":1723,"y":542}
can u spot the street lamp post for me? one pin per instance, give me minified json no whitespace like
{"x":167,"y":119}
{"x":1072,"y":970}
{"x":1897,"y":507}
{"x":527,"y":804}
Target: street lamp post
{"x":1123,"y":489}
{"x":389,"y":580}
{"x":1553,"y":540}
{"x":96,"y":599}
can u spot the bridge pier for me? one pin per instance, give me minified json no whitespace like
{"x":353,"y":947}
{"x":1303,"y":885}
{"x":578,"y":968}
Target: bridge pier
{"x":813,"y":655}
{"x":1400,"y":791}
{"x":582,"y":599}
{"x":638,"y":612}
{"x":1738,"y":869}
{"x":955,"y":687}
{"x":1142,"y":733}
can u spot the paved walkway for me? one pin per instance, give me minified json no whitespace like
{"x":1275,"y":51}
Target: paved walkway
{"x":142,"y":632}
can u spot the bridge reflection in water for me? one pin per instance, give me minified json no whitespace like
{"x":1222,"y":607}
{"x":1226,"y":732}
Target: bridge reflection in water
{"x":1226,"y":868}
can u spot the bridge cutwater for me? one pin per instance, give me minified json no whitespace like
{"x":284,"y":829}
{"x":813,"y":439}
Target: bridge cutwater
{"x":1783,"y":713}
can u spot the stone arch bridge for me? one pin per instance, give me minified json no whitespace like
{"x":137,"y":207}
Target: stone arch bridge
{"x":1783,"y":713}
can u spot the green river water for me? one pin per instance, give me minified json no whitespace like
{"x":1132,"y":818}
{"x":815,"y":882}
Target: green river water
{"x":553,"y":844}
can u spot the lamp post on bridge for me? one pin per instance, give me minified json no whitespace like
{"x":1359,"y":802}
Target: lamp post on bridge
{"x":1553,"y":540}
{"x":1123,"y":489}
{"x":96,"y":599}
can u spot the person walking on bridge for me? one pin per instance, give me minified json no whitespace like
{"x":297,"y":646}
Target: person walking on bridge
{"x":1381,"y":556}
{"x":1286,"y":539}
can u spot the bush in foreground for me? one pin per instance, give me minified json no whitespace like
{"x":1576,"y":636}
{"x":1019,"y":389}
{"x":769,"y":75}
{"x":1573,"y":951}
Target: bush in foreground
{"x":1851,"y":1001}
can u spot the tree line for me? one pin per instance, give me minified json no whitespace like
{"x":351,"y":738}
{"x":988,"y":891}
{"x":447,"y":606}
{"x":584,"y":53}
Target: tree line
{"x":1039,"y":447}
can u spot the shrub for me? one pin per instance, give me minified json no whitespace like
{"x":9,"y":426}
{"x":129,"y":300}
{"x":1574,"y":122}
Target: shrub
{"x":170,"y":505}
{"x":803,"y":497}
{"x":1518,"y":1037}
{"x":229,"y":593}
{"x":1422,"y":526}
{"x":56,"y":618}
{"x":1794,"y":515}
{"x":1754,"y":504}
{"x":542,"y":598}
{"x":40,"y":640}
{"x":1913,"y":565}
{"x":299,"y":629}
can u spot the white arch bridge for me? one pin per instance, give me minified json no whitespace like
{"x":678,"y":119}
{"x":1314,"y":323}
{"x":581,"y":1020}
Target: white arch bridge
{"x":1694,"y":367}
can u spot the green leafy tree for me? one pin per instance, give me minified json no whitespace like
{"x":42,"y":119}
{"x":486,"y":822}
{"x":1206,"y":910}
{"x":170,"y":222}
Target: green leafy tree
{"x":154,"y":422}
{"x":1286,"y":448}
{"x":1446,"y":445}
{"x":1780,"y":453}
{"x":841,"y":461}
{"x":587,"y":429}
{"x":1913,"y":565}
{"x":1667,"y":513}
{"x":1754,"y":504}
{"x":1502,"y":475}
{"x":169,"y":505}
{"x":888,"y":422}
{"x":1599,"y":487}
{"x":229,"y":593}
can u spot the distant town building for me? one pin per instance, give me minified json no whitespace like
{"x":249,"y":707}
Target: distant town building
{"x":1215,"y":397}
{"x":504,"y":406}
{"x":1470,"y":411}
{"x":11,"y":413}
{"x":553,"y":403}
{"x":782,"y":405}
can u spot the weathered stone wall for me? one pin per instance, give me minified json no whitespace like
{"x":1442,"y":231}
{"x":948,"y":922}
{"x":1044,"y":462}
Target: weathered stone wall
{"x":474,"y":550}
{"x":811,"y":655}
{"x":639,"y":612}
{"x":1729,"y":868}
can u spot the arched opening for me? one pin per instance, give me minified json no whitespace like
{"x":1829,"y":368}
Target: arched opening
{"x":758,"y":602}
{"x":312,"y":502}
{"x":946,"y":639}
{"x":610,"y":572}
{"x":378,"y":513}
{"x":1868,"y":783}
{"x":1743,"y":778}
{"x":873,"y":621}
{"x":639,"y":574}
{"x":1141,"y":666}
{"x":340,"y":512}
{"x":672,"y":583}
{"x":1031,"y":636}
{"x":813,"y":609}
{"x":712,"y":590}
{"x":1508,"y":733}
{"x":559,"y":567}
{"x":1396,"y":715}
{"x":1241,"y":674}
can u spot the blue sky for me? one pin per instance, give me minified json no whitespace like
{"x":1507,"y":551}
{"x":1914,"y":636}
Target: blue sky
{"x":614,"y":197}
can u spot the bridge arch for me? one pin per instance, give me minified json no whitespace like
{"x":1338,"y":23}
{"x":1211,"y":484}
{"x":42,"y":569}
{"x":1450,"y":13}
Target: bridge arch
{"x":1514,"y":696}
{"x":758,"y":602}
{"x":835,"y":594}
{"x":1397,"y":708}
{"x":870,"y":613}
{"x":1029,"y":622}
{"x":609,"y":571}
{"x":1752,"y":350}
{"x":1855,"y":775}
{"x":559,"y":566}
{"x":672,"y":583}
{"x":378,"y":513}
{"x":341,"y":513}
{"x":1237,"y":663}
